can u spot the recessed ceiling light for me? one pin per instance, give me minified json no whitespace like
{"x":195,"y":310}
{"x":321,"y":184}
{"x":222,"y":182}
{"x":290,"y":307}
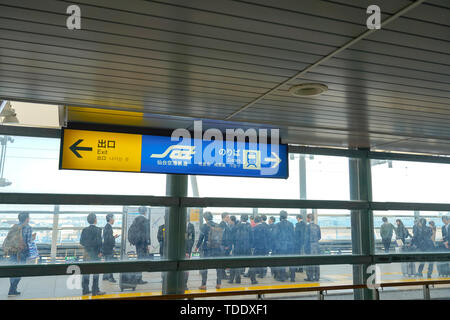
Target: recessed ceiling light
{"x":308,"y":89}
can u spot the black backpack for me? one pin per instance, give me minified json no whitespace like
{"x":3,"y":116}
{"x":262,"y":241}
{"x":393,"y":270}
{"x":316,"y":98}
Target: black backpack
{"x":136,"y":232}
{"x":215,"y":235}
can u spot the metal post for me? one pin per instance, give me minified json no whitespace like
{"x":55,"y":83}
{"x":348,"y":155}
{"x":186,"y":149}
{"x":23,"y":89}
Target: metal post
{"x":302,"y":177}
{"x":426,"y":292}
{"x":362,"y":222}
{"x":367,"y":230}
{"x":320,"y":295}
{"x":377,"y":294}
{"x":53,"y":249}
{"x":176,"y":186}
{"x":355,"y":226}
{"x":194,"y":186}
{"x":124,"y":237}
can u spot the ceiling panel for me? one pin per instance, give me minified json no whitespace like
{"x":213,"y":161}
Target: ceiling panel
{"x":169,"y":62}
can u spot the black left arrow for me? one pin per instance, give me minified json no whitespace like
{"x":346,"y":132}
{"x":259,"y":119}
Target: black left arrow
{"x":75,"y":148}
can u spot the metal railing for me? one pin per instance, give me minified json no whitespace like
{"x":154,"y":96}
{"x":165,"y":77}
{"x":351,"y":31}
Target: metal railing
{"x":260,"y":293}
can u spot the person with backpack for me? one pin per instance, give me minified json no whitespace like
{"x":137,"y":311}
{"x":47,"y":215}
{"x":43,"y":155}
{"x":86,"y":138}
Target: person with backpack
{"x":313,"y":235}
{"x":284,"y":236}
{"x":91,"y":240}
{"x":139,"y":236}
{"x":243,"y":242}
{"x":210,"y":245}
{"x":17,"y":245}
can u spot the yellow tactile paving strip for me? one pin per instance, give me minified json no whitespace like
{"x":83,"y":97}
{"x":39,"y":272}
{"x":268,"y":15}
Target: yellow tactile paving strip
{"x":241,"y":289}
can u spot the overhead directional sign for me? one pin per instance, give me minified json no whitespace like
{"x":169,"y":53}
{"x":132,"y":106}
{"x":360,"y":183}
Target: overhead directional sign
{"x":97,"y":150}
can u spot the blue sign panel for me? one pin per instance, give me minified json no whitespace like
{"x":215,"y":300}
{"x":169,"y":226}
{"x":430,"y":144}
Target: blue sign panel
{"x":224,"y":158}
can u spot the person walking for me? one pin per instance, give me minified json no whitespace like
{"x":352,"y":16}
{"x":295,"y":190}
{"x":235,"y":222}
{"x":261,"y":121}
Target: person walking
{"x":444,"y":247}
{"x":17,"y":245}
{"x":242,"y":247}
{"x":210,"y":245}
{"x":190,"y":241}
{"x":226,"y":240}
{"x":424,"y":244}
{"x":260,"y":242}
{"x":401,"y":233}
{"x":139,"y":236}
{"x":313,"y":235}
{"x":300,"y":232}
{"x":386,"y":233}
{"x":284,"y":234}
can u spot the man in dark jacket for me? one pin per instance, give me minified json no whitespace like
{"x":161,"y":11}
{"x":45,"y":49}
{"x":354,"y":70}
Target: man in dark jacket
{"x":283,"y":235}
{"x":226,"y":240}
{"x":242,"y":247}
{"x":91,"y":240}
{"x":268,"y":242}
{"x":190,"y":239}
{"x":209,"y":248}
{"x":144,"y":239}
{"x":313,"y":235}
{"x":109,"y":242}
{"x":161,"y":236}
{"x":424,"y":243}
{"x":260,"y":242}
{"x":445,"y":246}
{"x":300,"y":233}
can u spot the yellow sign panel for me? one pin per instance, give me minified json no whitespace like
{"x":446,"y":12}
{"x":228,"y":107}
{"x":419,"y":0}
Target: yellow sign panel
{"x":194,"y":215}
{"x":97,"y":150}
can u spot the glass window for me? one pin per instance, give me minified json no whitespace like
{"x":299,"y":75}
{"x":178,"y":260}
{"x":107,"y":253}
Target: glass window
{"x":31,"y":165}
{"x":65,"y":224}
{"x":402,"y":231}
{"x":326,"y":179}
{"x":410,"y":272}
{"x":407,"y":181}
{"x":306,"y":231}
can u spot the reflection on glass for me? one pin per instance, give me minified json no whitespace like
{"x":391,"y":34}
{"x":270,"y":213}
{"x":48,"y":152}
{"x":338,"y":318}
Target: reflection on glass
{"x":326,"y":178}
{"x":57,"y":231}
{"x":240,"y":232}
{"x":25,"y":154}
{"x":407,"y":181}
{"x":411,"y":231}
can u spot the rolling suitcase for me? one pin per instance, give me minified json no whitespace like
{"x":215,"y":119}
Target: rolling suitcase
{"x":128,"y":281}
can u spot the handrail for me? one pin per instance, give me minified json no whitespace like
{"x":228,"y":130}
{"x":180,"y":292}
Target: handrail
{"x":260,"y":292}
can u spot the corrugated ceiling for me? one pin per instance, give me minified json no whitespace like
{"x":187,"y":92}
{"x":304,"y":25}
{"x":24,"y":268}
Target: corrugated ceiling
{"x":173,"y":61}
